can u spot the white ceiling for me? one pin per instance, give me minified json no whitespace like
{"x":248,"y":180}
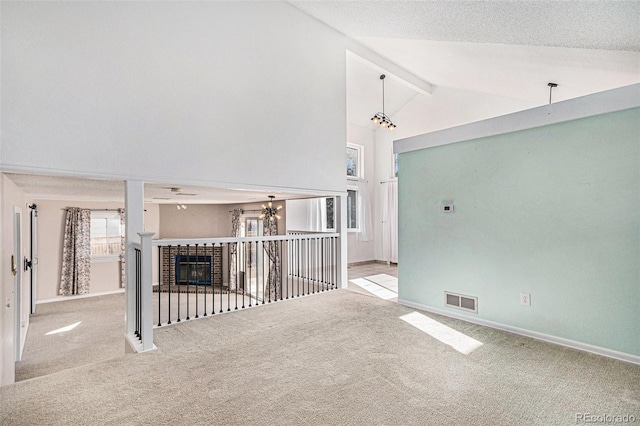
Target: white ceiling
{"x":41,"y":187}
{"x":509,"y":50}
{"x":609,"y":25}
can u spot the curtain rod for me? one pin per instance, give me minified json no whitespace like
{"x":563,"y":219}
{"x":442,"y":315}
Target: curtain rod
{"x":242,"y":210}
{"x":96,"y":210}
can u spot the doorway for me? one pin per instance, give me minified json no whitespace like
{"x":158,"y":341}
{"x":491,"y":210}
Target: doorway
{"x":250,"y":257}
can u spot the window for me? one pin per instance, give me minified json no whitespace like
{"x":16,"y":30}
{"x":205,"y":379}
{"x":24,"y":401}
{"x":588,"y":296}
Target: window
{"x":354,"y":160}
{"x":352,"y":210}
{"x":106,"y":235}
{"x":395,"y":165}
{"x":331,"y":217}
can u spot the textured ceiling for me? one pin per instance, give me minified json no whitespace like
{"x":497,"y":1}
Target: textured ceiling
{"x":41,"y":187}
{"x":502,"y":49}
{"x":609,"y":25}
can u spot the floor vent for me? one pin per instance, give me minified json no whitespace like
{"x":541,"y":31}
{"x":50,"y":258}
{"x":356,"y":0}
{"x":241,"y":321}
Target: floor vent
{"x":460,"y":301}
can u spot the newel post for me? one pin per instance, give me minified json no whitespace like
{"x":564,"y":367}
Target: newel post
{"x":146,"y":293}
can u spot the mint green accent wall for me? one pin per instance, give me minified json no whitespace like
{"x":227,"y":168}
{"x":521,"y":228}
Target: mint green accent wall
{"x":552,"y":211}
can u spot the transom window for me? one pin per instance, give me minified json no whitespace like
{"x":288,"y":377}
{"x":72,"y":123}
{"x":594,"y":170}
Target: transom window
{"x":355,"y":160}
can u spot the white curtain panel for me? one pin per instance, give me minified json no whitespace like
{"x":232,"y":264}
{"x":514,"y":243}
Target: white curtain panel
{"x":390,"y":222}
{"x":366,"y":227}
{"x":317,"y":215}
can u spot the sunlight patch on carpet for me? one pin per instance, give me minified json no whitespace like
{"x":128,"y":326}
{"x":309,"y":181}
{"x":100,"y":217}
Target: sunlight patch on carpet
{"x":447,"y":335}
{"x":374,"y":288}
{"x":63,"y":329}
{"x":384,"y":280}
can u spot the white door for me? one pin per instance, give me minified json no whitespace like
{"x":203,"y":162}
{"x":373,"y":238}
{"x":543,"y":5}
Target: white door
{"x":17,"y":282}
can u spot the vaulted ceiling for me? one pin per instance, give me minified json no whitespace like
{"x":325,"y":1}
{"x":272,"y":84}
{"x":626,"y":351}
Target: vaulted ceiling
{"x":504,"y":52}
{"x":505,"y":49}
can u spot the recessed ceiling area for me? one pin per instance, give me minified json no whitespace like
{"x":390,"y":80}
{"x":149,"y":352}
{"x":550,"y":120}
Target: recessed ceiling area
{"x":40,"y":187}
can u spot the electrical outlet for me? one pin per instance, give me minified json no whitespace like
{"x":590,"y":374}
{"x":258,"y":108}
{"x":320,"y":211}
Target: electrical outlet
{"x":525,"y":299}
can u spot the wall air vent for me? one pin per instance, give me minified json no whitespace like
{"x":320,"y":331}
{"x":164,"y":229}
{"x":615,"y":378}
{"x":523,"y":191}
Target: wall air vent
{"x":460,"y":301}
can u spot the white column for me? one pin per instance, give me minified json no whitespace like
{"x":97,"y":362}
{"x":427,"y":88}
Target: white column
{"x":134,"y":224}
{"x":146,"y":277}
{"x":341,"y":228}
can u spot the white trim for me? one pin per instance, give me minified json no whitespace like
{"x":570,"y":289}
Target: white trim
{"x":360,"y":162}
{"x":373,"y":60}
{"x":78,"y":296}
{"x":622,"y":356}
{"x":193,"y":241}
{"x":105,"y":258}
{"x":136,"y":345}
{"x":573,"y":109}
{"x":18,"y":168}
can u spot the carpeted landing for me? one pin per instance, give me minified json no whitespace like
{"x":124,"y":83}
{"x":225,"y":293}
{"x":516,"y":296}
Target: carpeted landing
{"x":337,"y":358}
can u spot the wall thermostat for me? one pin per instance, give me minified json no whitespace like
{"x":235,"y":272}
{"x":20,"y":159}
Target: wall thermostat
{"x":447,"y":208}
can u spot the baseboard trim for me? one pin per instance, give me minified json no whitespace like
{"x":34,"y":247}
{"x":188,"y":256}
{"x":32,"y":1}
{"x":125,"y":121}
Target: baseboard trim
{"x":79,"y":296}
{"x":610,"y":353}
{"x":371,"y":262}
{"x":363,"y":262}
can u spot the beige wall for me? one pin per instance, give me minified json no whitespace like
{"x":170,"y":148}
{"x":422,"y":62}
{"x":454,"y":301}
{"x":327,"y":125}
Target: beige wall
{"x":207,"y":220}
{"x":105,"y":276}
{"x":11,"y":198}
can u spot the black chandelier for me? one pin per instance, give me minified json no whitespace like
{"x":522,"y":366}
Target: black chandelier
{"x":270,"y":212}
{"x":380,"y":118}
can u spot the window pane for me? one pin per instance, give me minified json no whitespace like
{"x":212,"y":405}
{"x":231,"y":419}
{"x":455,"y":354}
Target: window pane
{"x":106,"y":233}
{"x":395,"y":165}
{"x":352,"y":213}
{"x":98,"y":236}
{"x":113,"y":236}
{"x":330,"y":214}
{"x":352,"y":162}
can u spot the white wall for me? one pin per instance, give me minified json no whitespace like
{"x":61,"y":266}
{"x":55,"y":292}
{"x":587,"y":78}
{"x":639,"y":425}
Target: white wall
{"x":217,"y":93}
{"x":362,"y":251}
{"x":12,"y":197}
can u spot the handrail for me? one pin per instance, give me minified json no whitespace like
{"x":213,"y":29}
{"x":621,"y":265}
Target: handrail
{"x":193,"y":241}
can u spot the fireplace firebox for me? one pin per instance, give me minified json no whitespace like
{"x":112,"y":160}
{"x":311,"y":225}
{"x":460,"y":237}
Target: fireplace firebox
{"x":191,"y":269}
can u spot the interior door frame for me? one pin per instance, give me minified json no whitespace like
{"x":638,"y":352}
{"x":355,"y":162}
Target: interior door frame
{"x":17,"y":282}
{"x":33,"y":253}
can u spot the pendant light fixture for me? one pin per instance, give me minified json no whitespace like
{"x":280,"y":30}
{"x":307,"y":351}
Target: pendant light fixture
{"x":380,"y":118}
{"x":551,"y":86}
{"x":269,"y":211}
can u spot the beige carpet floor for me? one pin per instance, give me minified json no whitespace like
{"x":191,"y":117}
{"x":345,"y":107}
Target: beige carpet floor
{"x":337,"y":358}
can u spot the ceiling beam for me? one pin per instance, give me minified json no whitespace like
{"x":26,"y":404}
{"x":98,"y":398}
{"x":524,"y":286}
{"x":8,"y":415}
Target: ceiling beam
{"x":381,"y":64}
